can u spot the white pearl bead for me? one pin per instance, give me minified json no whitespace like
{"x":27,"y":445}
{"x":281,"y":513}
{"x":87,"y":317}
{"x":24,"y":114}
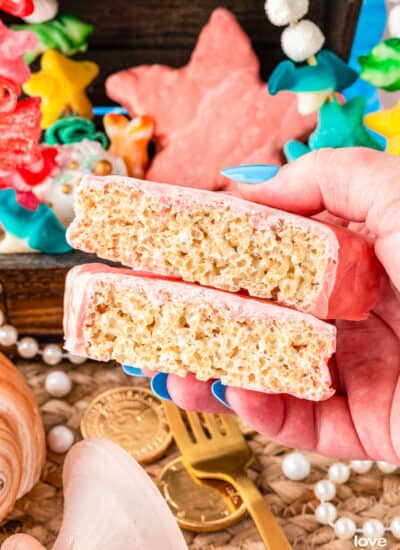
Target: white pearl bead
{"x":302,"y":40}
{"x":44,"y":10}
{"x":373,"y":528}
{"x":284,"y":12}
{"x":52,"y":354}
{"x":324,"y":490}
{"x":394,"y":21}
{"x":345,"y":528}
{"x":8,"y":335}
{"x":2,"y":317}
{"x":325,"y":513}
{"x":58,"y":383}
{"x":339,"y":472}
{"x":60,"y":439}
{"x":75,"y":359}
{"x":361,"y":466}
{"x":296,"y":466}
{"x":385,"y":467}
{"x":27,"y":347}
{"x":395,"y":527}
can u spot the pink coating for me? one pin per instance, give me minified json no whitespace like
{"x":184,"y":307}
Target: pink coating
{"x":351,"y":282}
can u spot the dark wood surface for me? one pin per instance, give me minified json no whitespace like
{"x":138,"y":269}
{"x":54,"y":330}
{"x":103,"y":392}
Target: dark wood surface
{"x":127,"y":33}
{"x":131,"y":32}
{"x":32,"y":289}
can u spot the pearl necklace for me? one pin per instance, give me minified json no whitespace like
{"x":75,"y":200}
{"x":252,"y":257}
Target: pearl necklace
{"x":58,"y":383}
{"x":28,"y":347}
{"x":296,"y":467}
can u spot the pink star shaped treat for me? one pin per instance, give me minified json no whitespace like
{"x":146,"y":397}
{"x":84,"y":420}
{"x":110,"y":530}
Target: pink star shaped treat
{"x":212,"y":113}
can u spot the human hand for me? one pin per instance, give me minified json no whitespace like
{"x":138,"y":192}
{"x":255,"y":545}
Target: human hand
{"x":362,"y":420}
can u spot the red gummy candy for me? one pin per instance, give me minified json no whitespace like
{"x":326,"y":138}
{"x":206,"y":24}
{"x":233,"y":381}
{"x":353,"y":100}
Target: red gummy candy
{"x":27,"y":199}
{"x":19,"y":135}
{"x":9,"y":92}
{"x":19,"y":8}
{"x":46,"y":166}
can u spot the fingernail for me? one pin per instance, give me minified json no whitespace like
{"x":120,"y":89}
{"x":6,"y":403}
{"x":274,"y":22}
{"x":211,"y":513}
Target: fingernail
{"x":218,"y":390}
{"x":158,"y":385}
{"x":253,"y":173}
{"x":133,"y":371}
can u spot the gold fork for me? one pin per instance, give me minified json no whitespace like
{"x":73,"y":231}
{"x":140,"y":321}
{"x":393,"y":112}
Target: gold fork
{"x":216,"y":449}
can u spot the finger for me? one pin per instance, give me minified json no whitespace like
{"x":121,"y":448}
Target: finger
{"x":300,"y":424}
{"x":357,"y":184}
{"x":193,"y":395}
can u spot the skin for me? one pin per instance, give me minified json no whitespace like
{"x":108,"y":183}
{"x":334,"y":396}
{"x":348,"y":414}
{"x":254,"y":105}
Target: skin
{"x":362,"y":420}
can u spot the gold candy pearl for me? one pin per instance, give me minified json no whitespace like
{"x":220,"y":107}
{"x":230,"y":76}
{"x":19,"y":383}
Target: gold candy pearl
{"x":73,"y":165}
{"x":102,"y":168}
{"x":66,"y":188}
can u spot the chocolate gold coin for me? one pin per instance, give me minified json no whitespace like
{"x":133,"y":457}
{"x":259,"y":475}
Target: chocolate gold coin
{"x":131,"y":417}
{"x":196,"y":506}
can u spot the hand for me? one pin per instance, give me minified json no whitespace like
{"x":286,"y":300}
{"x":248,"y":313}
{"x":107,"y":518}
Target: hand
{"x":362,"y":420}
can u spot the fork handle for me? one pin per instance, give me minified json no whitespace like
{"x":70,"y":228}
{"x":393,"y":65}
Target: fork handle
{"x":269,"y":529}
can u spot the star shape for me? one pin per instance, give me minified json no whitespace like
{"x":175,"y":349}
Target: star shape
{"x":214,"y":112}
{"x":61,"y":84}
{"x":129,"y":140}
{"x":387,"y":123}
{"x":339,"y":125}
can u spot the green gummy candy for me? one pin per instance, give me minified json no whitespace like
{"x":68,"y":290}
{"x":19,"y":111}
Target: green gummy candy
{"x":66,"y":34}
{"x":74,"y":129}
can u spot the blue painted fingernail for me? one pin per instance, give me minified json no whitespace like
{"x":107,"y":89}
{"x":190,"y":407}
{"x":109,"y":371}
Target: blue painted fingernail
{"x":252,"y":173}
{"x":132,"y":371}
{"x":158,"y":385}
{"x":218,"y":390}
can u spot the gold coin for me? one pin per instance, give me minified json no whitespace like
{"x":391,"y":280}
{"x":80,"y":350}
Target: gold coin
{"x":196,"y":506}
{"x":131,"y":417}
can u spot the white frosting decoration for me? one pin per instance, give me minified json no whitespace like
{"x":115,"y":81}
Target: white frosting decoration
{"x":59,"y":190}
{"x":310,"y":102}
{"x":44,"y":10}
{"x":284,"y":12}
{"x":394,"y":22}
{"x":301,"y":41}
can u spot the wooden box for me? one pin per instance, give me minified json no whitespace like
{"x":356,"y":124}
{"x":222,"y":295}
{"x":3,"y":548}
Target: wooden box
{"x":127,"y":33}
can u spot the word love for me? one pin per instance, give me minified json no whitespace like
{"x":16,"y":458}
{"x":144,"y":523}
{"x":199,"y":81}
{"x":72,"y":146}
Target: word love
{"x":370,"y":542}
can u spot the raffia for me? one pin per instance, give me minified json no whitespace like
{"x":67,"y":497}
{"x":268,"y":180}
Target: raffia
{"x":40,"y":512}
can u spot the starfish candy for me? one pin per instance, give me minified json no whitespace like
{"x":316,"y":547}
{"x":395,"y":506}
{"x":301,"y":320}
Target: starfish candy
{"x":129,"y":140}
{"x":61,"y":84}
{"x":13,"y":69}
{"x":339,"y":125}
{"x":387,"y":123}
{"x":214,"y":112}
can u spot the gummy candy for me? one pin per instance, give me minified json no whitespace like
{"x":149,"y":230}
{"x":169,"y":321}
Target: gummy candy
{"x":74,"y":129}
{"x":47,"y":163}
{"x":9,"y":92}
{"x":66,"y":34}
{"x":13,"y":46}
{"x":20,"y":134}
{"x":61,"y":84}
{"x":130,"y":140}
{"x":19,"y":8}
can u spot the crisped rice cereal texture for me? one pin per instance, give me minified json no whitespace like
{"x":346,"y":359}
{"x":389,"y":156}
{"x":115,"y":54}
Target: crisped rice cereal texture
{"x":228,"y":243}
{"x":178,"y":328}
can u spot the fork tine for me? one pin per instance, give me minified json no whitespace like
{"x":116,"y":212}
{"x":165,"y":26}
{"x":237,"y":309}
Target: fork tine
{"x":196,"y":425}
{"x":231,"y":425}
{"x":212,"y":424}
{"x":177,"y":425}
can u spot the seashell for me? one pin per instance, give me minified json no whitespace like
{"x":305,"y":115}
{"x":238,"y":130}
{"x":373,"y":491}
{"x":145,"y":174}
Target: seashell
{"x":22,"y":441}
{"x":110,"y":503}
